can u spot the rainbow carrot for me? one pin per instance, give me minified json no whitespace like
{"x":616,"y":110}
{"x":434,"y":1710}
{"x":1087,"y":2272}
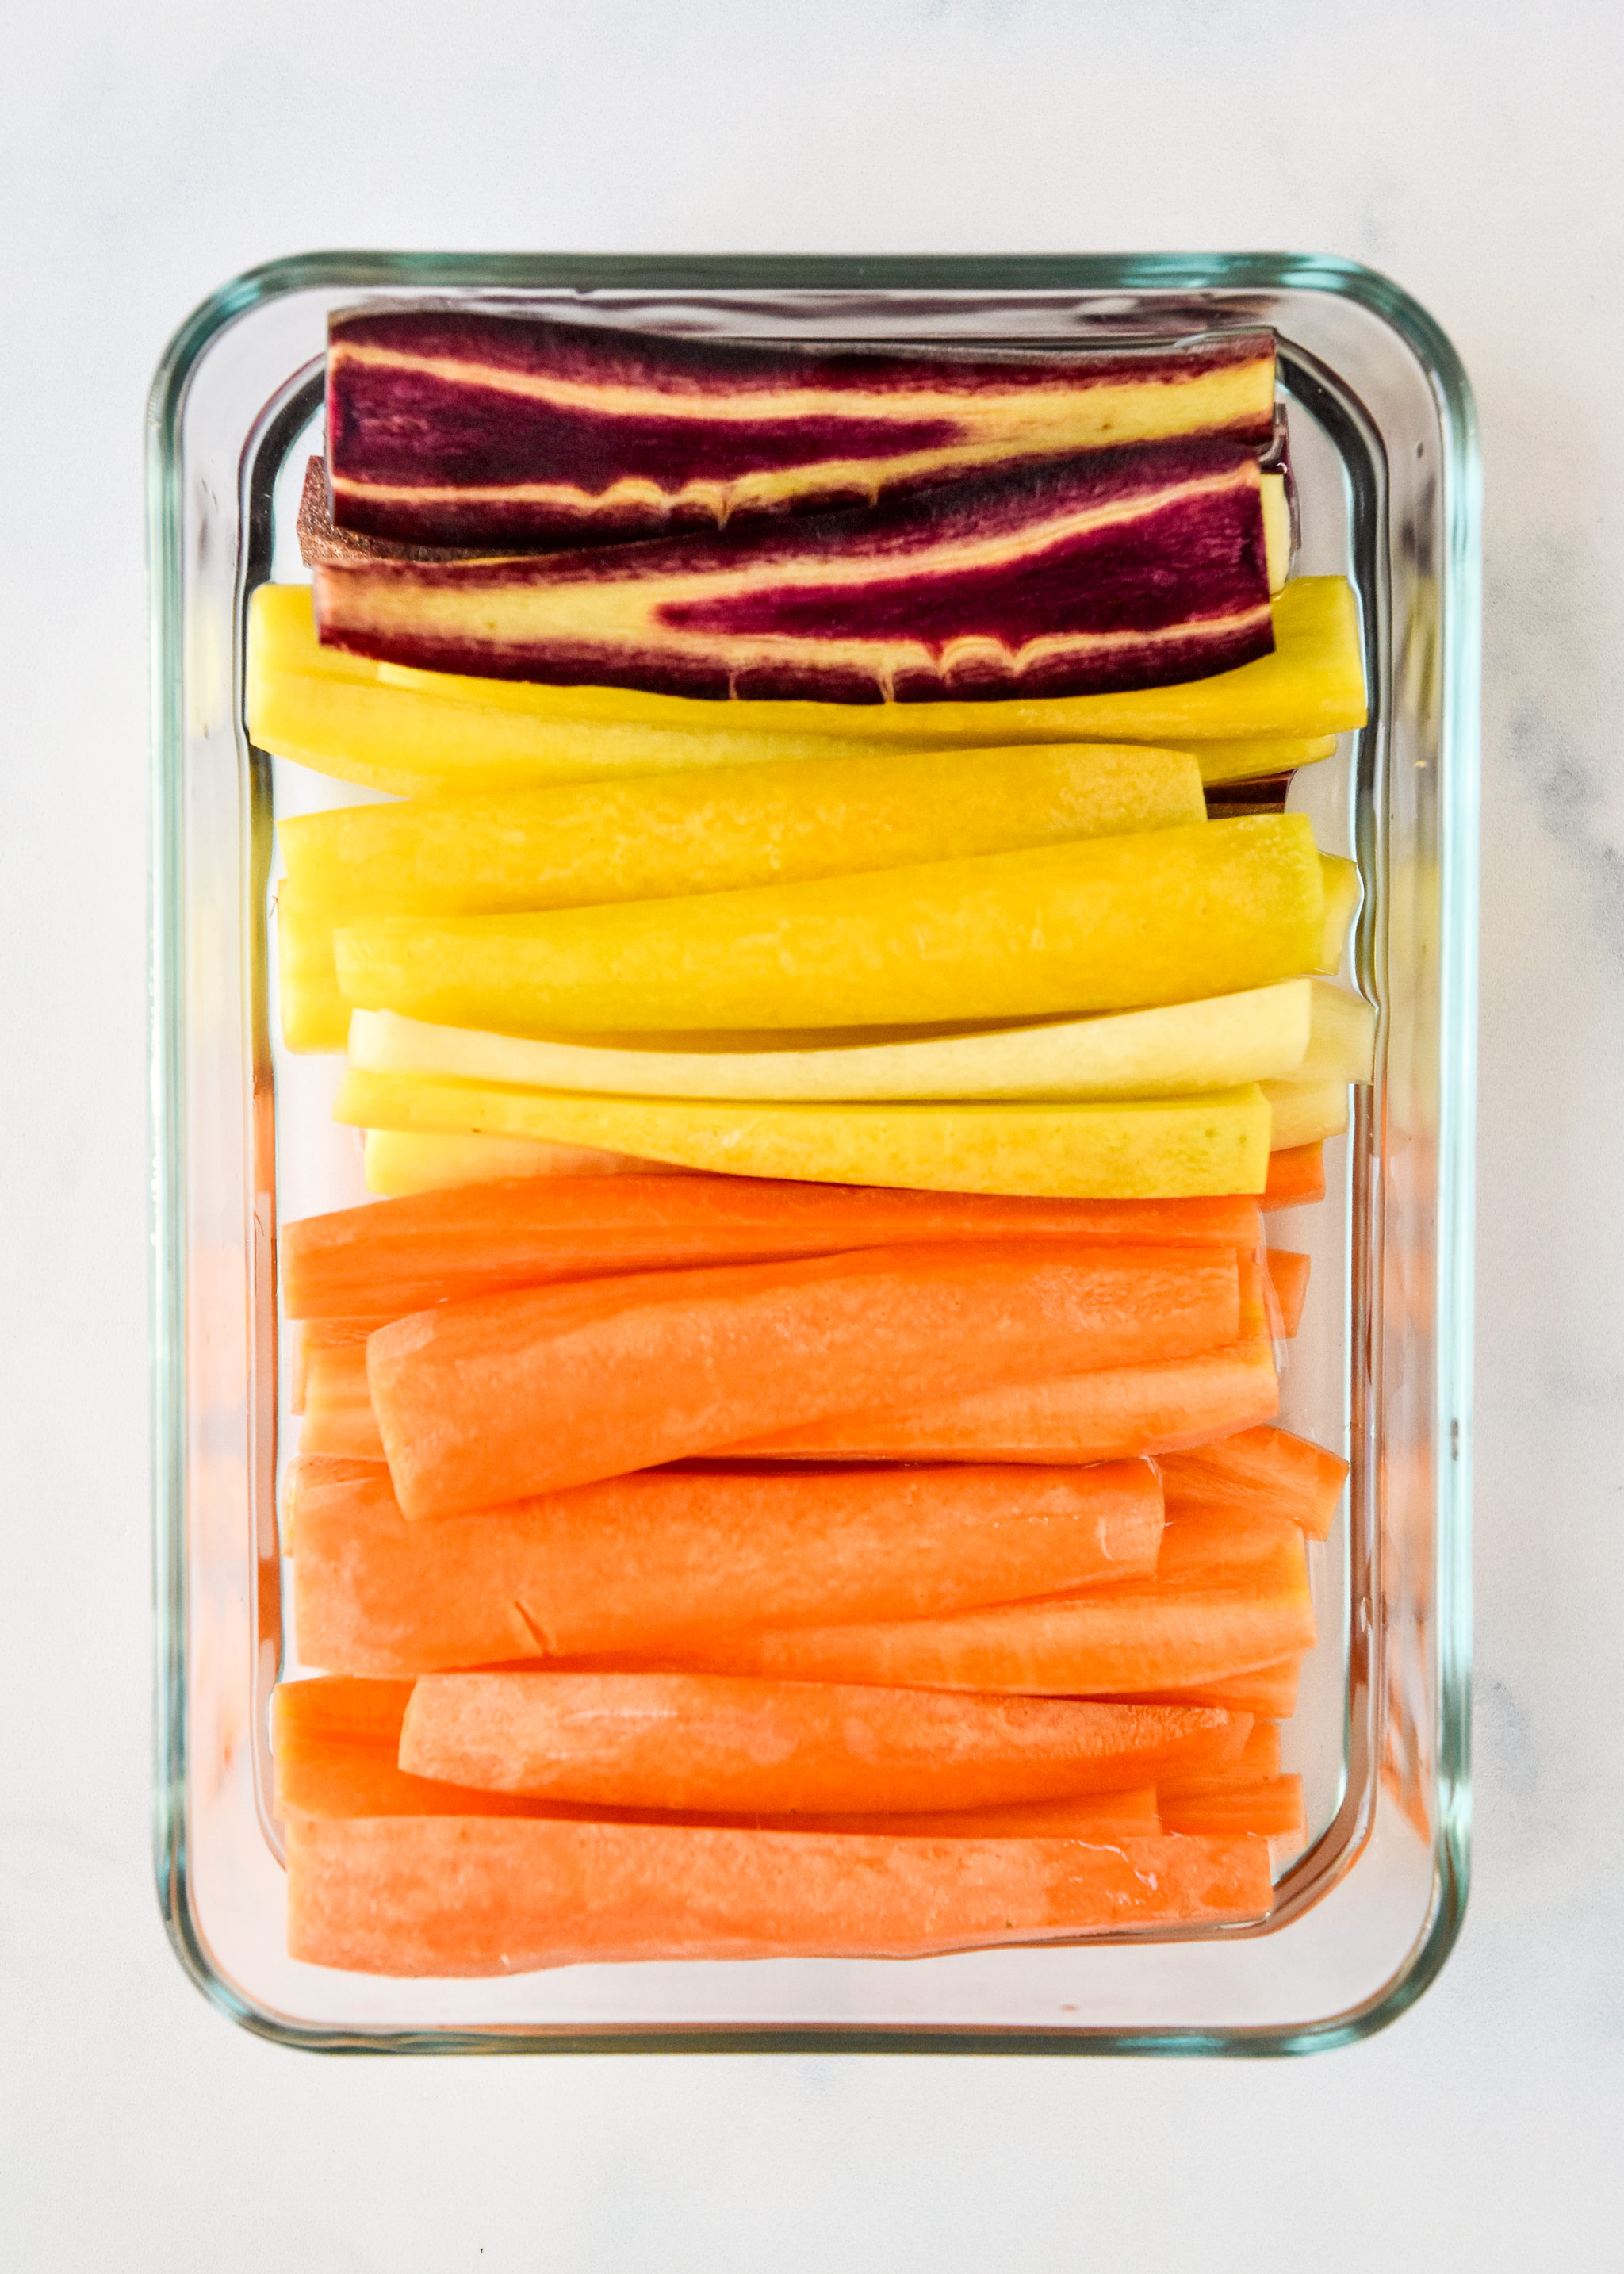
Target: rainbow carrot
{"x":447,"y":1896}
{"x":391,"y":1257}
{"x":1109,"y":1414}
{"x":706,"y":1741}
{"x":649,"y":1561}
{"x":1296,"y":1178}
{"x":1224,"y":1602}
{"x":1288,"y":1279}
{"x":1259,"y":1471}
{"x":483,"y":1402}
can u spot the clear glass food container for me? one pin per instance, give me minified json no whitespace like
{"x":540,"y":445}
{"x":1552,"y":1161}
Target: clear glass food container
{"x":1384,"y":456}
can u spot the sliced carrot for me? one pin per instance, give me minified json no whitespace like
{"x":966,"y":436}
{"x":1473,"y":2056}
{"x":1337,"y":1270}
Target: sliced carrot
{"x":309,"y":1473}
{"x":324,"y":1335}
{"x":1268,"y":1690}
{"x":338,"y":1419}
{"x":706,"y":1741}
{"x":1267,"y":1471}
{"x":1109,"y":1414}
{"x":1260,"y":1755}
{"x":335,"y":1745}
{"x":1084,"y":1816}
{"x":1288,"y":1277}
{"x":482,"y":1402}
{"x":336,"y":1742}
{"x":447,"y":1895}
{"x":1296,"y":1176}
{"x":1270,"y":1806}
{"x":647,"y":1561}
{"x":1209,"y":1615}
{"x":400,"y":1255}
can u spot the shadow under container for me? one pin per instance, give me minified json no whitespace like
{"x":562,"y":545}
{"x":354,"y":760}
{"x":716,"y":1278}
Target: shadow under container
{"x":1384,"y":456}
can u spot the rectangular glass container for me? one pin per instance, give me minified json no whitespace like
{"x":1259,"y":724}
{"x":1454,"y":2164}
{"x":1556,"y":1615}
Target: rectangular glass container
{"x":1385,"y":455}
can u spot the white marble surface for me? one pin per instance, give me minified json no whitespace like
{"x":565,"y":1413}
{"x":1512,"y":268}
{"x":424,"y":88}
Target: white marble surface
{"x":1473,"y":151}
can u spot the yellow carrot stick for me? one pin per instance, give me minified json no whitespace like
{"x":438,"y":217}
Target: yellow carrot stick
{"x":1111,"y":923}
{"x":1165,"y":1148}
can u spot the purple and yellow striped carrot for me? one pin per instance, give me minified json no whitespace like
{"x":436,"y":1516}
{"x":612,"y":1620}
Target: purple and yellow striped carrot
{"x":1119,"y":569}
{"x":465,"y":428}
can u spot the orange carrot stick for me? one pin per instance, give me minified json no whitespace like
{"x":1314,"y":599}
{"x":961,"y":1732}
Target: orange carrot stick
{"x":1267,"y":1690}
{"x":481,"y":1402}
{"x":336,"y":1742}
{"x":1109,"y":1413}
{"x":335,"y":1745}
{"x":1212,"y":1613}
{"x":1288,"y":1277}
{"x":1296,"y":1176}
{"x":324,"y":1335}
{"x":706,"y":1741}
{"x":649,"y":1561}
{"x":1084,"y":1816}
{"x":1270,"y":1806}
{"x":309,"y":1473}
{"x":338,"y":1421}
{"x":1261,"y":1471}
{"x":449,"y":1895}
{"x":391,"y":1257}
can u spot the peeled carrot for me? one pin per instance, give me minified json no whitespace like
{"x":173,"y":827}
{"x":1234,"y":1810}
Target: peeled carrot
{"x":1296,"y":1176}
{"x":337,"y":1420}
{"x":1212,"y":1613}
{"x":1107,"y":1414}
{"x":482,"y":1402}
{"x":1264,"y":1471}
{"x":309,"y":1473}
{"x":325,"y":1335}
{"x":447,"y":1895}
{"x":1084,"y":1816}
{"x":647,"y":1561}
{"x":1270,"y":1806}
{"x":1289,"y":1278}
{"x":706,"y":1741}
{"x":335,"y":1745}
{"x":391,"y":1257}
{"x":1265,"y":1690}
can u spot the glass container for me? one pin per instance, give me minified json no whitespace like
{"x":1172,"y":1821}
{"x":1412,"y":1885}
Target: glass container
{"x":1384,"y":454}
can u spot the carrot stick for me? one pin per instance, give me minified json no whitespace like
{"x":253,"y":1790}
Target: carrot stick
{"x":1210,"y":1614}
{"x":1107,"y":1414}
{"x":482,"y":1402}
{"x":706,"y":1741}
{"x":336,"y":1742}
{"x":335,"y":1745}
{"x":648,"y":1562}
{"x":1267,"y":1690}
{"x":1296,"y":1176}
{"x":1270,"y":1806}
{"x":447,"y":1895}
{"x":1268,"y":1472}
{"x":1260,"y":1755}
{"x":403,"y":1162}
{"x":325,"y":1335}
{"x":337,"y":1421}
{"x":1084,"y":1816}
{"x":1288,"y":1277}
{"x":309,"y":1473}
{"x":395,"y":1256}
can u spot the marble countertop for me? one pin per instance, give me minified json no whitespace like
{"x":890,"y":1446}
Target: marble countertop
{"x":1474,"y":154}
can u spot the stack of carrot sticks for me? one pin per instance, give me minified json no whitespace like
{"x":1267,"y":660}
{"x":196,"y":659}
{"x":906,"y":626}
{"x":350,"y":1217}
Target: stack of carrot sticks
{"x":707,"y":1567}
